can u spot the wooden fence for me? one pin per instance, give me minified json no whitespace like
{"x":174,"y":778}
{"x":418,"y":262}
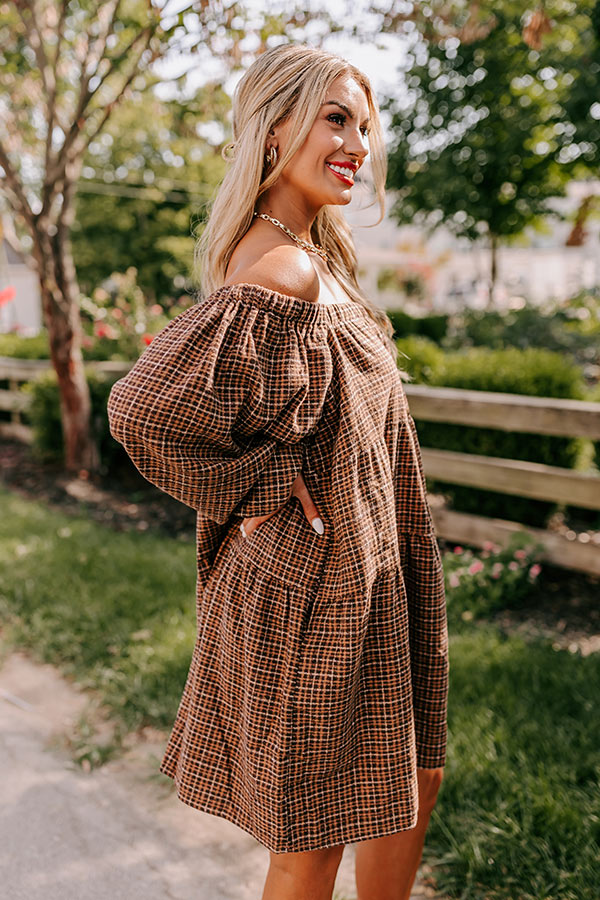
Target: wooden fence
{"x":512,"y":412}
{"x":508,"y":412}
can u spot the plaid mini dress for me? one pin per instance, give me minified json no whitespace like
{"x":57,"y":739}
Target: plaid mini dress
{"x":319,"y":677}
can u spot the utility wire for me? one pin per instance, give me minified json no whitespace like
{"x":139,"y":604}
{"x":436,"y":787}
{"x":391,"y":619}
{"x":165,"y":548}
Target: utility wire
{"x":133,"y":191}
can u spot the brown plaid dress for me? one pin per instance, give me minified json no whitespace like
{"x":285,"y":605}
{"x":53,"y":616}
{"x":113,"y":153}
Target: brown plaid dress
{"x":319,"y":678}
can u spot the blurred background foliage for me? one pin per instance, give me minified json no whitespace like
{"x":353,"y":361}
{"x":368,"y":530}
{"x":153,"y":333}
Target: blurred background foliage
{"x":144,"y":187}
{"x":489,"y":131}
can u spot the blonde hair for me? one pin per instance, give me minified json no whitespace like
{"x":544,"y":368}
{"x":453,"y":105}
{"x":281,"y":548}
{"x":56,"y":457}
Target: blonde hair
{"x":289,"y":80}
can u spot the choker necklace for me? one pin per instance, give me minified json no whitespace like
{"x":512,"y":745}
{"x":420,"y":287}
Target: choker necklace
{"x":306,"y":245}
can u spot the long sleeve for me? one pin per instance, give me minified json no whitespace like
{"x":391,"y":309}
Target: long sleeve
{"x":215,"y":409}
{"x":428,"y":637}
{"x":428,"y":627}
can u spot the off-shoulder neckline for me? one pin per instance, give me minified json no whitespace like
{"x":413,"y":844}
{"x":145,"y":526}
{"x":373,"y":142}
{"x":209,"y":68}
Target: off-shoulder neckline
{"x":288,"y":305}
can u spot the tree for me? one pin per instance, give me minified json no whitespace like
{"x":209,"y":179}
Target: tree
{"x":484,"y":137}
{"x":144,"y":188}
{"x":66,"y":66}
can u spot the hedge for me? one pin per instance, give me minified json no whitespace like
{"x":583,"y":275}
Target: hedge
{"x":532,"y":371}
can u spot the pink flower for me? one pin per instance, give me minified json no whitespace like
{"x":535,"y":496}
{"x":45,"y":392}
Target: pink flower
{"x":156,"y":309}
{"x":454,"y":580}
{"x":458,"y":549}
{"x":495,"y":574}
{"x":513,"y":565}
{"x":105,"y":331}
{"x":535,"y":570}
{"x":488,"y":545}
{"x":476,"y":567}
{"x":520,"y":554}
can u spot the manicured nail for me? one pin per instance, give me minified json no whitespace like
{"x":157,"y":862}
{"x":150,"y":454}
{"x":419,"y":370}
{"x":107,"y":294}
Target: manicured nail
{"x":317,"y":524}
{"x":242,"y":529}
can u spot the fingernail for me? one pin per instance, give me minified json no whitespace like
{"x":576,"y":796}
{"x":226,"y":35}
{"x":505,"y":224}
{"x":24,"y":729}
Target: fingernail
{"x":317,"y":524}
{"x":242,"y":529}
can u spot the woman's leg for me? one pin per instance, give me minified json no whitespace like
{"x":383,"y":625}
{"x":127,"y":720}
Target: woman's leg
{"x":308,"y":875}
{"x":386,"y":867}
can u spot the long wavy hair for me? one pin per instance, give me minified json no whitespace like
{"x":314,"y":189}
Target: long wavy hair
{"x":289,"y":80}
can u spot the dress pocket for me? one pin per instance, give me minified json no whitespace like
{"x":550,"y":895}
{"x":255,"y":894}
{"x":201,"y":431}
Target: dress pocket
{"x":287,"y":547}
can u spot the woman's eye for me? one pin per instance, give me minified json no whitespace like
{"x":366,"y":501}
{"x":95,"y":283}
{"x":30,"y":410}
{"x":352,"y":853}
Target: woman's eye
{"x":342,"y":118}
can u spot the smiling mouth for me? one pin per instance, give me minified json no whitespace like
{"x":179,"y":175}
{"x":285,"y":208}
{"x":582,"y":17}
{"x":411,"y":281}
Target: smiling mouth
{"x":347,"y":179}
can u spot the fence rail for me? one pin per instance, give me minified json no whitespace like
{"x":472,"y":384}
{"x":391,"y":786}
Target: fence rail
{"x":508,"y":412}
{"x":483,"y":409}
{"x":522,"y":413}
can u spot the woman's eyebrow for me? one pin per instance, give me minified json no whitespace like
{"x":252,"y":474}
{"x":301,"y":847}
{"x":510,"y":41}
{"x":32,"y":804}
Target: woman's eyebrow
{"x":343,"y":106}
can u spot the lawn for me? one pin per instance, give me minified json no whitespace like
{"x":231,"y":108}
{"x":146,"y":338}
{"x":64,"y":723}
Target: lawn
{"x":518,"y":817}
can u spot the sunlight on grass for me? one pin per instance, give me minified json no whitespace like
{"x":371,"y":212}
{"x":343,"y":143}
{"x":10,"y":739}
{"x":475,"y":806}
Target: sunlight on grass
{"x":519,"y":811}
{"x":518,"y":816}
{"x":114,"y":609}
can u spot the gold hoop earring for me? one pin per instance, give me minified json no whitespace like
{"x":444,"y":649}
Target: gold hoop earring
{"x":271,"y":157}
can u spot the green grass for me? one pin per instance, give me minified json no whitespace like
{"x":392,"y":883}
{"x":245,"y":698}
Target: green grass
{"x":116,"y":610}
{"x":518,"y":816}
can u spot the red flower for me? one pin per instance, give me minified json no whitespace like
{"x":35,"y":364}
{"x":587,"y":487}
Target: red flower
{"x":100,"y":330}
{"x":7,"y":294}
{"x":103,"y":330}
{"x":147,"y":338}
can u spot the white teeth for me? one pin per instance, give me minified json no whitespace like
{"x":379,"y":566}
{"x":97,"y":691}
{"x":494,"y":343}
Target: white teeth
{"x":341,"y":170}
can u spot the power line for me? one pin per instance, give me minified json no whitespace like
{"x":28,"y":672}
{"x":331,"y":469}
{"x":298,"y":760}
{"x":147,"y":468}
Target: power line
{"x":134,"y":191}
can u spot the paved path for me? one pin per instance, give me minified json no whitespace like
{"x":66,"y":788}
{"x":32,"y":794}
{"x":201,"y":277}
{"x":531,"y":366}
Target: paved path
{"x":117,"y":832}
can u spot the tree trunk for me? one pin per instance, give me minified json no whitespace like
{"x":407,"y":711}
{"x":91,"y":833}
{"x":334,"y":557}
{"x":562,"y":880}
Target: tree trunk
{"x":578,"y":233}
{"x":493,"y":268}
{"x":59,"y":292}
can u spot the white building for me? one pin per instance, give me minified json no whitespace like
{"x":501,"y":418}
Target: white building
{"x":454,"y":273}
{"x":23,"y":312}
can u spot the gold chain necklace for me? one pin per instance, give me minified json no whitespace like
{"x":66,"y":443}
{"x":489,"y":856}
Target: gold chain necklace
{"x":306,"y":245}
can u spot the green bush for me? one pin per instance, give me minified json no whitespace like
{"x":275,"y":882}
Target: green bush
{"x":44,"y":417}
{"x":19,"y":347}
{"x":532,"y":371}
{"x":432,"y":326}
{"x":479,"y":583}
{"x":594,"y":397}
{"x":117,"y":322}
{"x":420,"y":356}
{"x":571,"y":328}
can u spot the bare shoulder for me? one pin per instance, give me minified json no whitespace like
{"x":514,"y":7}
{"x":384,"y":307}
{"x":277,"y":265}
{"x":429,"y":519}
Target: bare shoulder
{"x":278,"y":267}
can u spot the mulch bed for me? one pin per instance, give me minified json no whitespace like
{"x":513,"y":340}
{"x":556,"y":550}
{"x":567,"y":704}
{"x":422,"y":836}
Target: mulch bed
{"x":129,"y":503}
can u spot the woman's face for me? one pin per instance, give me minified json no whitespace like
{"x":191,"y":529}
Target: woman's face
{"x":338,"y":139}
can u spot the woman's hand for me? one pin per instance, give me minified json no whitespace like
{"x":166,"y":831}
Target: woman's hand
{"x":300,"y":491}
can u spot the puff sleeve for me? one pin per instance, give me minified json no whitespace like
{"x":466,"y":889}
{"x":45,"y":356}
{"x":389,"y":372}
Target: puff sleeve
{"x":215,"y":409}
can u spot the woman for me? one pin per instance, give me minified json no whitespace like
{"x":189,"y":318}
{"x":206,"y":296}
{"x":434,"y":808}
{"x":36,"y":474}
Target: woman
{"x":314,"y":713}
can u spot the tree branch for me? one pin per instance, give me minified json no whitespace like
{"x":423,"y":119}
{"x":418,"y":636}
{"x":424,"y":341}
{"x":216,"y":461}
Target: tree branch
{"x":52,"y":113}
{"x":110,"y":106}
{"x":99,"y":46}
{"x":15,"y":187}
{"x":34,"y":36}
{"x":56,"y":171}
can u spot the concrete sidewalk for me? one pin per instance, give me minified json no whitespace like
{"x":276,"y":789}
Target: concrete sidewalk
{"x":117,"y":832}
